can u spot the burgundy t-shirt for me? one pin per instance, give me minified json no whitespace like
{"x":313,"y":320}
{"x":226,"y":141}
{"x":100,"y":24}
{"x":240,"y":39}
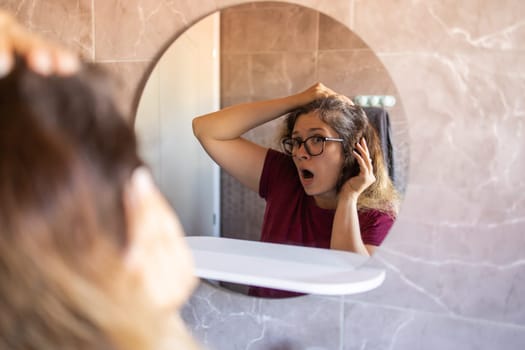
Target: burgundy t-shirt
{"x":292,"y":217}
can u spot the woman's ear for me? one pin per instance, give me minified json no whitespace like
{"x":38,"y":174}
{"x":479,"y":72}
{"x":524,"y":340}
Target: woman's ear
{"x":157,"y":253}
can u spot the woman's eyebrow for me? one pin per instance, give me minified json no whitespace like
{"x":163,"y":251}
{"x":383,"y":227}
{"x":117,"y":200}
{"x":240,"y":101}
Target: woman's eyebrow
{"x":309,"y":130}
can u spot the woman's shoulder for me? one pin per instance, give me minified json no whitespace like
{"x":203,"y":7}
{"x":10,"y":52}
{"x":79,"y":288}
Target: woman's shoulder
{"x":275,"y":155}
{"x":278,"y":173}
{"x":279,"y":162}
{"x":375,"y":225}
{"x":376,"y":216}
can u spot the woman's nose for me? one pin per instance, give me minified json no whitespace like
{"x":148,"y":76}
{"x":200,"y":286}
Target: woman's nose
{"x":301,"y":152}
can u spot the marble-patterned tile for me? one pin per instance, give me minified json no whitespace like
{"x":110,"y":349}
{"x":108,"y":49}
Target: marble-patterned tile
{"x":334,"y":35}
{"x":226,"y":4}
{"x":262,"y":76}
{"x":473,"y":118}
{"x":127,"y":76}
{"x":233,"y":100}
{"x":237,"y":6}
{"x":236,"y":77}
{"x":290,"y":28}
{"x":282,"y":74}
{"x":340,"y":10}
{"x":403,"y":288}
{"x":222,"y":320}
{"x":137,"y":29}
{"x":368,"y":326}
{"x":441,"y":26}
{"x":250,"y":5}
{"x":355,"y":72}
{"x":373,"y":327}
{"x":481,"y":290}
{"x":269,"y":4}
{"x":65,"y":22}
{"x":498,"y":218}
{"x":433,"y":241}
{"x":307,"y":322}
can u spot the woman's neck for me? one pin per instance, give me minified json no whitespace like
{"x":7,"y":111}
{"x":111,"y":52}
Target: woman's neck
{"x":326,"y":200}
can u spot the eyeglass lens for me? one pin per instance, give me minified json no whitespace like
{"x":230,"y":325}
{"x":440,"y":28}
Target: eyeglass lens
{"x":314,"y":145}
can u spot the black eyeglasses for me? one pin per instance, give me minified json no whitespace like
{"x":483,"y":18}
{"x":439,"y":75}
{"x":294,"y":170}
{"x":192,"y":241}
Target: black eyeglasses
{"x":314,"y":145}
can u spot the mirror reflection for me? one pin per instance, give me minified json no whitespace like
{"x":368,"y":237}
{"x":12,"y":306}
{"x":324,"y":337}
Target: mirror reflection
{"x":330,"y":180}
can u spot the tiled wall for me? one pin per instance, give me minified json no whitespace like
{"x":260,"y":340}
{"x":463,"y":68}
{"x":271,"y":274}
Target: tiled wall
{"x":455,"y":259}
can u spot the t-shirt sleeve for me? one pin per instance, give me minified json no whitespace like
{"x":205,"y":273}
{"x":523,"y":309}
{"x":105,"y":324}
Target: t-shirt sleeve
{"x":277,"y":167}
{"x":374,"y":226}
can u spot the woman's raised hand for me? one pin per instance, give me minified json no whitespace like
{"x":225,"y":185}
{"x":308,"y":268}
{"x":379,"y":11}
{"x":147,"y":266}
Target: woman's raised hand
{"x":319,"y":90}
{"x":357,"y":184}
{"x":41,"y":56}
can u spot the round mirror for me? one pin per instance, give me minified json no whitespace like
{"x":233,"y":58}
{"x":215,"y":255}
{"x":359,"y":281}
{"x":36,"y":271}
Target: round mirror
{"x":247,"y":53}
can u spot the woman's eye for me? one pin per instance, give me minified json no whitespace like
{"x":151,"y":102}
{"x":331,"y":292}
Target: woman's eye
{"x":296,"y":142}
{"x":317,"y":139}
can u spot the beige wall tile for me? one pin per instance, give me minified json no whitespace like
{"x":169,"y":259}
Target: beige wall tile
{"x":334,"y":35}
{"x":440,"y":25}
{"x":63,"y":21}
{"x":276,"y":75}
{"x":355,"y":72}
{"x":263,"y":29}
{"x":136,"y":29}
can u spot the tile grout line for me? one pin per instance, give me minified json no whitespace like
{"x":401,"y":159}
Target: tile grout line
{"x":126,"y":61}
{"x":93,"y":38}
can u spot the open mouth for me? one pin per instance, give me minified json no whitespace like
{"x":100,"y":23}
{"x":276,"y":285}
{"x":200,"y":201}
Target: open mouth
{"x":307,"y":174}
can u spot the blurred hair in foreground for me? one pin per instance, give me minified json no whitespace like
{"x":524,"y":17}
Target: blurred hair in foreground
{"x":66,"y":155}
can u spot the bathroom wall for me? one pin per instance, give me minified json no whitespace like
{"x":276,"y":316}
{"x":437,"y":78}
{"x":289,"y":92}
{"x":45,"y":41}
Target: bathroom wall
{"x":455,"y":260}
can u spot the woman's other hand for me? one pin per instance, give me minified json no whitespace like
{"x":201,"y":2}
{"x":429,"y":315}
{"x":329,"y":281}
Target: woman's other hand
{"x":41,"y":56}
{"x":357,"y":184}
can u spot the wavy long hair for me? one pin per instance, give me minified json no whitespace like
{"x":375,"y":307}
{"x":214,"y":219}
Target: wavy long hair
{"x":65,"y":156}
{"x":351,"y":124}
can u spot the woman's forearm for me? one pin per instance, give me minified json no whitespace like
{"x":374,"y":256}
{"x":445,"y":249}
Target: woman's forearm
{"x":231,"y":122}
{"x":346,"y":233}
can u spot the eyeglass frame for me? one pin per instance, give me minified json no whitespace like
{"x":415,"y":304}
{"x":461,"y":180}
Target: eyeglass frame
{"x":303,"y":142}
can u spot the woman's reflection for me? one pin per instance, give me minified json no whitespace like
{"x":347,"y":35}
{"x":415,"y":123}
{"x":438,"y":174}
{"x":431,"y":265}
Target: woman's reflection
{"x":329,"y":188}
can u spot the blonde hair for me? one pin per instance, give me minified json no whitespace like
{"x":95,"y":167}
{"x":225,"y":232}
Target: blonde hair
{"x":380,"y":195}
{"x":48,"y":304}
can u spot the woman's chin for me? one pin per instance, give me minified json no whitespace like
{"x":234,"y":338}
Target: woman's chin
{"x":309,"y":189}
{"x":312,"y":192}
